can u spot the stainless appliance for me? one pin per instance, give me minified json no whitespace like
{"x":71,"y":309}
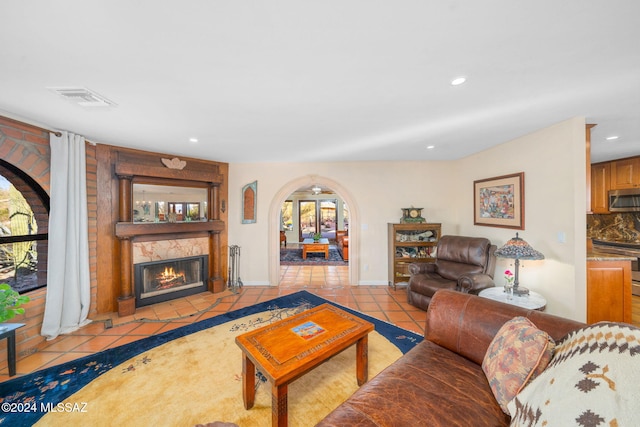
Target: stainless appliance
{"x":627,"y":200}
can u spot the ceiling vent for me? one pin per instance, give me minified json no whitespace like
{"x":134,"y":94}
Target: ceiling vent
{"x":82,"y":97}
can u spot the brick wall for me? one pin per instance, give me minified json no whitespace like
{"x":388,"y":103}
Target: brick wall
{"x":27,"y":148}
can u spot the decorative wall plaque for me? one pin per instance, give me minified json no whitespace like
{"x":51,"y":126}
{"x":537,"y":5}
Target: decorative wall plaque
{"x":249,"y":204}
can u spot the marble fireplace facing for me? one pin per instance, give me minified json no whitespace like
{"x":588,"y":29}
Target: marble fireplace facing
{"x":169,"y":269}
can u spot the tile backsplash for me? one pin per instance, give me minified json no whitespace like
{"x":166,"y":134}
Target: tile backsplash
{"x":619,"y":226}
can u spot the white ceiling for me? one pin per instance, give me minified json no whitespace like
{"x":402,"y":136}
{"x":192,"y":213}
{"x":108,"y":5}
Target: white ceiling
{"x":299,"y":80}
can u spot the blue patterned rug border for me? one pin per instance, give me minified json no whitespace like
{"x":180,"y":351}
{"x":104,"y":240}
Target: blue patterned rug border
{"x":50,"y":386}
{"x":293,"y":256}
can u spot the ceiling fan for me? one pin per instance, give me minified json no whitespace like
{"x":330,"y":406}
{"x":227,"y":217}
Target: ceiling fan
{"x":316,"y":189}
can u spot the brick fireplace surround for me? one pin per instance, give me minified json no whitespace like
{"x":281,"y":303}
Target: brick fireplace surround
{"x":27,"y":147}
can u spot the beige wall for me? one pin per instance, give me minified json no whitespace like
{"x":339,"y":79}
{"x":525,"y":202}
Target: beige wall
{"x":379,"y":190}
{"x":553,"y":160}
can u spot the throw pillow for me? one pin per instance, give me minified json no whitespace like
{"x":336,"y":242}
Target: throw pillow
{"x":518,"y":353}
{"x":592,"y":380}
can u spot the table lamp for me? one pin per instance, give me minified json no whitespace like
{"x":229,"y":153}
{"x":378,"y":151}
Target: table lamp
{"x":518,"y":249}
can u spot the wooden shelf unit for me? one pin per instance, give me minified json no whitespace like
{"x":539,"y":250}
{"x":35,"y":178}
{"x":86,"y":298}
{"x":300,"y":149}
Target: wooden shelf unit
{"x":409,"y":243}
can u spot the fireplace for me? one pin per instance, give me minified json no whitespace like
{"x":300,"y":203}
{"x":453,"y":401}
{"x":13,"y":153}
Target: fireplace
{"x":165,"y":280}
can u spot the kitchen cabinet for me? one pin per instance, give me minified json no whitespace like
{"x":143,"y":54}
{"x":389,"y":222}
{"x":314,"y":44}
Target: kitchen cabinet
{"x":600,"y":186}
{"x":608,"y":290}
{"x":625,"y":173}
{"x":588,"y":159}
{"x":409,"y":243}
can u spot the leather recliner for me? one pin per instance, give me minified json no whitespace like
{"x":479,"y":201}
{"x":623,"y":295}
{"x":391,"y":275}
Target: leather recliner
{"x":463,"y":264}
{"x":342,"y":238}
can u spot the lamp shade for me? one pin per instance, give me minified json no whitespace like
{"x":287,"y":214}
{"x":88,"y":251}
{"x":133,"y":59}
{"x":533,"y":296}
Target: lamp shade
{"x":517,"y":248}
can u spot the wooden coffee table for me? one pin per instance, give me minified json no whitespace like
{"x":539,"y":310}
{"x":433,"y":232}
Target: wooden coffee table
{"x":309,"y":245}
{"x":289,"y":348}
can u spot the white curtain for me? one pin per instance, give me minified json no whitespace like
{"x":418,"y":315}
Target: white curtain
{"x":68,"y":281}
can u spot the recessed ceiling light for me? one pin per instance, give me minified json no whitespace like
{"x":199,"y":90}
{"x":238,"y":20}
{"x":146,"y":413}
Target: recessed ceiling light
{"x":430,"y":147}
{"x":611,"y":138}
{"x":193,"y":139}
{"x":458,"y":81}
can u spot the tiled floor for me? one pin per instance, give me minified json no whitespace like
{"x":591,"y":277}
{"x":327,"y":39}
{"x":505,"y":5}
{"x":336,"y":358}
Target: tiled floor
{"x":331,"y":283}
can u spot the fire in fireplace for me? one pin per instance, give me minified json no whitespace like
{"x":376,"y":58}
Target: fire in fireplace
{"x":169,"y":279}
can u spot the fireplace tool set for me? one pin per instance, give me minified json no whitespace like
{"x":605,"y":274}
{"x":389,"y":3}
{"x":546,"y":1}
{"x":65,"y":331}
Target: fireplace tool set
{"x":233,"y":281}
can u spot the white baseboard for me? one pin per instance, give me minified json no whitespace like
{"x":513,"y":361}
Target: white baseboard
{"x":362,"y":283}
{"x":373,"y":283}
{"x":256,"y":283}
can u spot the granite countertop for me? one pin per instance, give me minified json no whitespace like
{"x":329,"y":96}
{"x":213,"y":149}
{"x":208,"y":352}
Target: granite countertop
{"x":598,"y":254}
{"x":603,"y":250}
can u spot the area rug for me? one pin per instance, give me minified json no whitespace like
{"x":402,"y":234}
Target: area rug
{"x":191,"y":375}
{"x":291,"y":256}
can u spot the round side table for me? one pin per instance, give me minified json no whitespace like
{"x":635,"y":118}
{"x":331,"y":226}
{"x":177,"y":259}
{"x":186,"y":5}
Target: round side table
{"x":533,"y":301}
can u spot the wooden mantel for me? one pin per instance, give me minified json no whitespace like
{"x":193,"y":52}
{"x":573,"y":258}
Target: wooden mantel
{"x":129,"y":167}
{"x":133,"y":229}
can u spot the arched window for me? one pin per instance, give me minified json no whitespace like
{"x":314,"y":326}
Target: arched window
{"x":24,"y":227}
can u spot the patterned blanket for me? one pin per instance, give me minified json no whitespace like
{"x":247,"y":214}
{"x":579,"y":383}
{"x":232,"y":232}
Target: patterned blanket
{"x":593,"y":380}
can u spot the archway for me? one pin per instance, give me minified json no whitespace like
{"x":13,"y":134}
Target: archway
{"x":274,"y":220}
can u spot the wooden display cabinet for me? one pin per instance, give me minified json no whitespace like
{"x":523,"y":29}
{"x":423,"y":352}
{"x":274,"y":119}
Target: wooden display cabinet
{"x":409,"y":243}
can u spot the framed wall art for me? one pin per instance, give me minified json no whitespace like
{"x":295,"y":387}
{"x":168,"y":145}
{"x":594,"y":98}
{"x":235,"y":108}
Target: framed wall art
{"x":499,"y":201}
{"x":249,"y":205}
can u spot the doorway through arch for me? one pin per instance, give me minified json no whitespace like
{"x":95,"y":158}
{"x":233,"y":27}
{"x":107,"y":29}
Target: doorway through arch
{"x":274,"y":223}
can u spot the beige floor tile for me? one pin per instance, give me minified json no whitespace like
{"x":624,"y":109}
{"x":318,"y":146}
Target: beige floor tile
{"x":148,"y":328}
{"x":66,"y":342}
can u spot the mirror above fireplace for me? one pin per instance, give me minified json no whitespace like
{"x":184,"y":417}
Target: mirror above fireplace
{"x":167,"y":203}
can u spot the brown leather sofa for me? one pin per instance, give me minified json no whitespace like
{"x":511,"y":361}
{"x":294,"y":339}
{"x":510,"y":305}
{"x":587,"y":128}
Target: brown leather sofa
{"x":464,"y":264}
{"x":440,"y":381}
{"x":342,"y":238}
